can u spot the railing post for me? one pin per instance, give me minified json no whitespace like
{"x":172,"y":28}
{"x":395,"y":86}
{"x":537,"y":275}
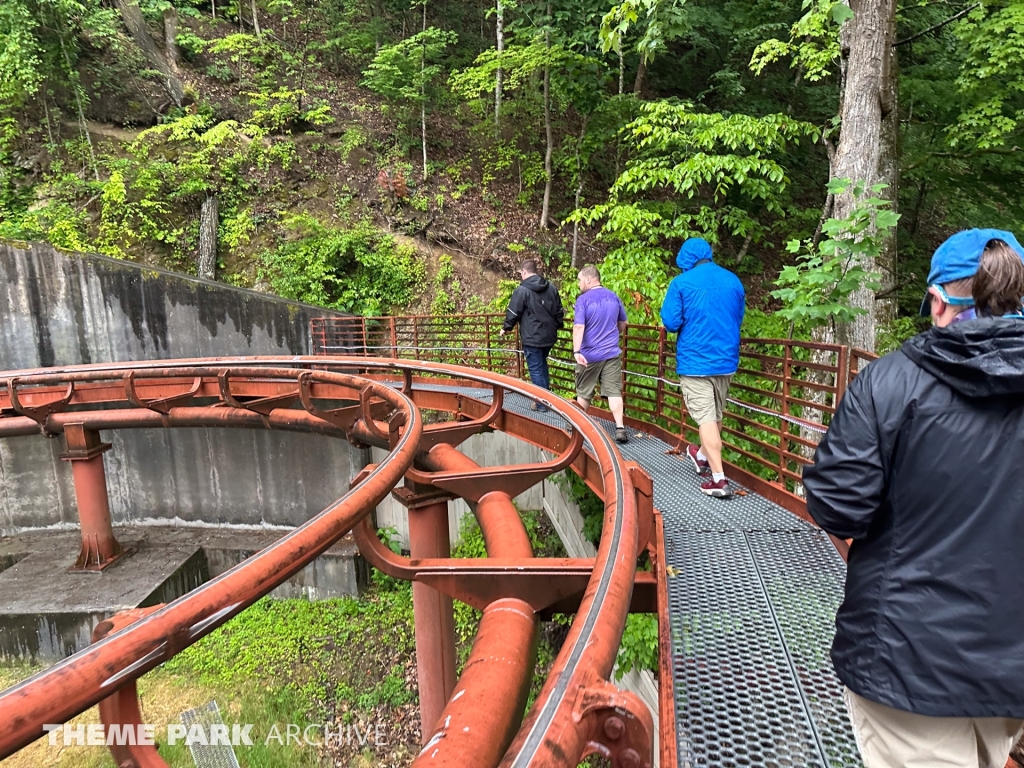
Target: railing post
{"x":487,"y":341}
{"x":394,"y":337}
{"x":316,"y":347}
{"x":85,"y":452}
{"x":659,"y":392}
{"x":844,"y":363}
{"x":787,"y":375}
{"x":625,"y":366}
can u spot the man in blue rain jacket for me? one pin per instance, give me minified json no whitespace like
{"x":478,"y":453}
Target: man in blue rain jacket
{"x":705,"y":306}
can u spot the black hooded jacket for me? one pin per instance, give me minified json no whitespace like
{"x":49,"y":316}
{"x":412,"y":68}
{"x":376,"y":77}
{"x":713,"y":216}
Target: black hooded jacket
{"x":923,"y":467}
{"x":537,"y":307}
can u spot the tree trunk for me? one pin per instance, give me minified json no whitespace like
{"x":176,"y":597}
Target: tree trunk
{"x":499,"y":80}
{"x":208,"y":238}
{"x":579,"y":192}
{"x":213,"y":9}
{"x":255,"y":20}
{"x":77,"y":87}
{"x":546,"y":204}
{"x":378,"y":16}
{"x":889,"y":173}
{"x":423,"y":95}
{"x":171,"y":38}
{"x":868,"y":99}
{"x":132,"y":17}
{"x":641,"y":76}
{"x":622,"y":71}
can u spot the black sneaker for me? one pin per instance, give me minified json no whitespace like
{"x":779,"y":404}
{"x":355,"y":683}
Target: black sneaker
{"x":620,"y":435}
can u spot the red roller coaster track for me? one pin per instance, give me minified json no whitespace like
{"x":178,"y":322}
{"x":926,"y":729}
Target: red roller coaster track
{"x":472,"y":721}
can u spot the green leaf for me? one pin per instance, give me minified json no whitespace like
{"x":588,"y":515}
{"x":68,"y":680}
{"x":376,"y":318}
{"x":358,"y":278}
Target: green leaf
{"x":841,"y":13}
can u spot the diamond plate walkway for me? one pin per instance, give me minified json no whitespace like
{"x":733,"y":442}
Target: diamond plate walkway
{"x":753,"y":592}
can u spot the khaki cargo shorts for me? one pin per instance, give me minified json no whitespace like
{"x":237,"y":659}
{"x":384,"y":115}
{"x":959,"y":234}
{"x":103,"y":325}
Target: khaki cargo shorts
{"x":608,"y":372}
{"x":891,"y":738}
{"x":705,"y":396}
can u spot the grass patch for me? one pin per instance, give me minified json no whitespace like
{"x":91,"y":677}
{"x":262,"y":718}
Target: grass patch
{"x":343,"y":662}
{"x":280,"y":662}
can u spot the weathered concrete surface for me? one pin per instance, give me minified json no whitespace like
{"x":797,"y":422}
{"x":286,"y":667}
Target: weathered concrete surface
{"x":61,"y":309}
{"x":47,"y":613}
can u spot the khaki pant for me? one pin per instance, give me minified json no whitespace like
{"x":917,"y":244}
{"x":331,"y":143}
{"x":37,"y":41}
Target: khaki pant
{"x":891,"y":738}
{"x":705,"y":396}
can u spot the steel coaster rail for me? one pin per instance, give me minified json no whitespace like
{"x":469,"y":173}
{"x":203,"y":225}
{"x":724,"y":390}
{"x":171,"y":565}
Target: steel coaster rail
{"x":71,"y":686}
{"x":557,"y":732}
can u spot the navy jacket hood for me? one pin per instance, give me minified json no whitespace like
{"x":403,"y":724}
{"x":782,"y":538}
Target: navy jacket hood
{"x":536,"y":283}
{"x":978,"y":358}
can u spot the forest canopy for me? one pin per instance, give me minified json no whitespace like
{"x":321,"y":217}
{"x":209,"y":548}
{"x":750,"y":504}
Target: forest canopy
{"x":824,"y":148}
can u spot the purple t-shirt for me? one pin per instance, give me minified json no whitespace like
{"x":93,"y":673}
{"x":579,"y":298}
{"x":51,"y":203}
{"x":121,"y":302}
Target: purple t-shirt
{"x":599,"y":311}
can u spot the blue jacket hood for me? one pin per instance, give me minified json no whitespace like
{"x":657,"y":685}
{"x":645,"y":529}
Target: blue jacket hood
{"x":692,"y":251}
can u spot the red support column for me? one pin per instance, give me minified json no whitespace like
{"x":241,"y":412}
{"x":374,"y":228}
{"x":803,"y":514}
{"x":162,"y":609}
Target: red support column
{"x":435,"y":617}
{"x":85,"y":452}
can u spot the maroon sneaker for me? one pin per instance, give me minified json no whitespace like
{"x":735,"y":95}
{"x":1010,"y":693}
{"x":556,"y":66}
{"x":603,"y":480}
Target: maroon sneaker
{"x":701,"y":465}
{"x":719,"y":489}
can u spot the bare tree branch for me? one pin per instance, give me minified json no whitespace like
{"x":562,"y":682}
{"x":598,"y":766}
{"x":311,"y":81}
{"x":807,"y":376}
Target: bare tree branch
{"x":940,"y":25}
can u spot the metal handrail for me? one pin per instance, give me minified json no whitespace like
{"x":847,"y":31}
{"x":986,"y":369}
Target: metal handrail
{"x":783,"y":396}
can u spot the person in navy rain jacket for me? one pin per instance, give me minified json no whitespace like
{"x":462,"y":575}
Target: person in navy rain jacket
{"x":923,"y":467}
{"x":705,"y":306}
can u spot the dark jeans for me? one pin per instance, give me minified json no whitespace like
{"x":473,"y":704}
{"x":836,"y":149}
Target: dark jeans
{"x":537,"y":362}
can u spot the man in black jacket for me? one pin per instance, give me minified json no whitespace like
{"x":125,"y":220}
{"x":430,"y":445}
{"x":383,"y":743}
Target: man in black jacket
{"x":923,"y":467}
{"x":537,"y":308}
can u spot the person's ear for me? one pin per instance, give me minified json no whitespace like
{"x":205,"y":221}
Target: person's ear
{"x":937,"y":304}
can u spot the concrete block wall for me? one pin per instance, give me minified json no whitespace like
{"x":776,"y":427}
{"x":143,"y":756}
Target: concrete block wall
{"x":59,"y":308}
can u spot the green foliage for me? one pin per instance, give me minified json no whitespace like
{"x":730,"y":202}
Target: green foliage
{"x":816,"y":289}
{"x":813,"y":44}
{"x":408,"y":72}
{"x":891,"y":336}
{"x":295,"y":648}
{"x":639,"y":648}
{"x":661,"y":21}
{"x":590,"y":504}
{"x":280,"y":110}
{"x":360,"y":269}
{"x":190,"y":44}
{"x":447,"y":290}
{"x":691,"y":173}
{"x":992,"y":75}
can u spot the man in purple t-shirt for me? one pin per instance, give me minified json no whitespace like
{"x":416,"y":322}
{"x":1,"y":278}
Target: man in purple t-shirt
{"x":598,"y":320}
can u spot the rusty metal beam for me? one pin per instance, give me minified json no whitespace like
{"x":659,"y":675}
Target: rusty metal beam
{"x":71,"y":686}
{"x":179,"y":393}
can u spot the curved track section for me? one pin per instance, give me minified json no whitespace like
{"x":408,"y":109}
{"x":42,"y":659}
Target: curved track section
{"x":371,"y":402}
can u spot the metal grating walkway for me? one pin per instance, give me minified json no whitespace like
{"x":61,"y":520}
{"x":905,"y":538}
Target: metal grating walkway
{"x":753,"y":592}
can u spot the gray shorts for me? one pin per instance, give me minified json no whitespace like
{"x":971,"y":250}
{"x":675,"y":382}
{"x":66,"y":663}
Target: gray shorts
{"x":705,"y":396}
{"x":607,"y":372}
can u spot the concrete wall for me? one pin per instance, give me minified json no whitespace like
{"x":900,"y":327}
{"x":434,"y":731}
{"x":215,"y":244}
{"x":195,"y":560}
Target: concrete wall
{"x":62,"y":309}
